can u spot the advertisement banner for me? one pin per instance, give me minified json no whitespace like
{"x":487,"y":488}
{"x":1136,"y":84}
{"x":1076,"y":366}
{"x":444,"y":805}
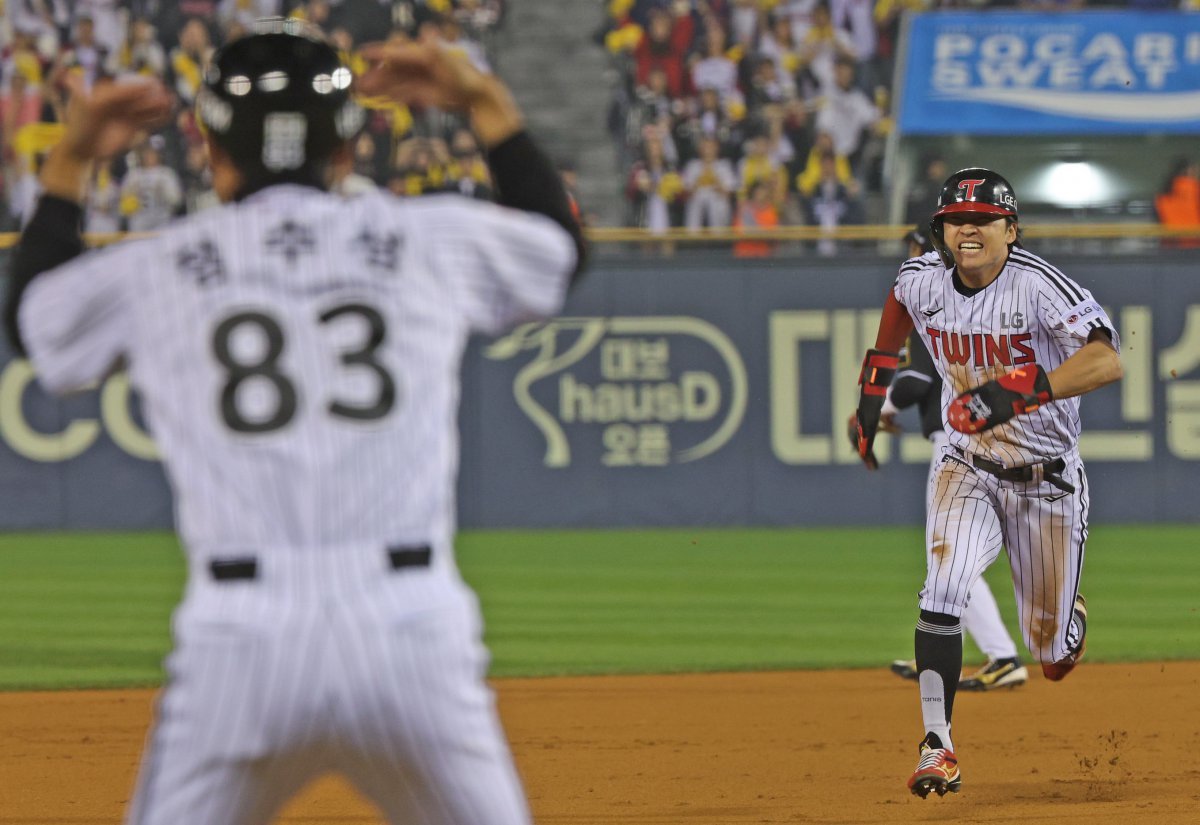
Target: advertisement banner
{"x":1002,"y":73}
{"x":681,"y":392}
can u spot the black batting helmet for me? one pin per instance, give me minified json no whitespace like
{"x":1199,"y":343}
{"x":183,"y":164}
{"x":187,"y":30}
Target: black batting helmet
{"x":977,"y":190}
{"x":920,"y":237}
{"x":974,"y":190}
{"x":278,"y":102}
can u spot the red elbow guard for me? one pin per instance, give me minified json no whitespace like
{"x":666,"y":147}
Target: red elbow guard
{"x":878,"y":370}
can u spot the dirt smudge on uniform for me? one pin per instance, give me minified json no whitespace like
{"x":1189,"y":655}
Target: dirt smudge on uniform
{"x":1043,"y":628}
{"x":1048,"y":582}
{"x":961,"y":378}
{"x":994,"y":373}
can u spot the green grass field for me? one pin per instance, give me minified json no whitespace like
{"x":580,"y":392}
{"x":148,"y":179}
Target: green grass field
{"x":92,"y":610}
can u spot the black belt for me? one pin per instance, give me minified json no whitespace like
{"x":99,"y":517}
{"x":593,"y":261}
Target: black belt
{"x":1051,"y":471}
{"x":246,"y":567}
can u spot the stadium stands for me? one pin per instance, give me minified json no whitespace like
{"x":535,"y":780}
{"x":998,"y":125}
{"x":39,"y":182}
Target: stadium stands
{"x":710,"y":98}
{"x":40,"y":42}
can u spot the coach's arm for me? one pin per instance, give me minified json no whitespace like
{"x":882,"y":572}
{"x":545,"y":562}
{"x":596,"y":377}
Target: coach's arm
{"x":427,"y":73}
{"x":98,"y":124}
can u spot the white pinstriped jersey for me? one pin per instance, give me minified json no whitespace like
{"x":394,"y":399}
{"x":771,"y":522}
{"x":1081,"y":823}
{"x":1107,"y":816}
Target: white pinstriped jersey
{"x":1031,"y":313}
{"x":297,"y":354}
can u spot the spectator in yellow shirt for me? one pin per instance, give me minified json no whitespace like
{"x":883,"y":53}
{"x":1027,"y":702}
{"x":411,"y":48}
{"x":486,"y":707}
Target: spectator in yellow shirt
{"x":757,"y":166}
{"x":807,"y":180}
{"x":709,"y":181}
{"x":189,"y":58}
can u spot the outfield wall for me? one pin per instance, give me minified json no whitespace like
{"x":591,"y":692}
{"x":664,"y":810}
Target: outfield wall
{"x":692,"y":391}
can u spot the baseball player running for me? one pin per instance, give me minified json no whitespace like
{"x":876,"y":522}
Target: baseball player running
{"x":917,"y":384}
{"x":1016,"y":343}
{"x":298,"y":358}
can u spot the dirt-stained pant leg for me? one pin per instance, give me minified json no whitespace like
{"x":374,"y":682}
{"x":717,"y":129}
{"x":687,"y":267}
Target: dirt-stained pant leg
{"x":1045,"y":530}
{"x":981,"y":618}
{"x":962,"y":535}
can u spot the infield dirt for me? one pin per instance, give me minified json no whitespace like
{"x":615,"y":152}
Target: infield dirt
{"x":1111,"y":744}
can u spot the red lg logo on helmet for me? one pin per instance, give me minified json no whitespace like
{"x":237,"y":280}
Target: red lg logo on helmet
{"x":970,"y":185}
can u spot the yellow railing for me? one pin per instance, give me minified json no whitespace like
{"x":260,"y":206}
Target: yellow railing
{"x":9,"y":239}
{"x":871,"y":232}
{"x":882,"y":232}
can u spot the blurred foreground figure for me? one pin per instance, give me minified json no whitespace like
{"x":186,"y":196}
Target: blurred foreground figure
{"x":298,"y":356}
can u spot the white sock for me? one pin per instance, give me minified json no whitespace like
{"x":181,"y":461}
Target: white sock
{"x":933,"y":707}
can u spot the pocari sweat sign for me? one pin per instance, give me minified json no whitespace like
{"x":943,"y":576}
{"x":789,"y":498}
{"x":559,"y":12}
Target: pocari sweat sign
{"x":1012,"y":73}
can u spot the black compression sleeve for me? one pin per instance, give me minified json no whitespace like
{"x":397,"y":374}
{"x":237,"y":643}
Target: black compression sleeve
{"x":917,"y":379}
{"x":526,"y":179}
{"x":908,"y":389}
{"x":51,"y":237}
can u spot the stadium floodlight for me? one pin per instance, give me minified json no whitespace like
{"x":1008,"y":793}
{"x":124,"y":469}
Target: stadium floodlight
{"x":1074,"y":183}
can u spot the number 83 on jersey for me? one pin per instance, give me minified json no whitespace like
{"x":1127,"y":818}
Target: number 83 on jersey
{"x":258,"y":394}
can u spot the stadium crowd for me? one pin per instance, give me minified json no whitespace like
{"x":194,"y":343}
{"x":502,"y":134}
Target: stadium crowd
{"x":763,"y":112}
{"x":41,"y":41}
{"x":755,"y":113}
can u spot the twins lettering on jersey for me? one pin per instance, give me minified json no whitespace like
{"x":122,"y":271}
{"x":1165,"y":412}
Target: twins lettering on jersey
{"x":980,"y":349}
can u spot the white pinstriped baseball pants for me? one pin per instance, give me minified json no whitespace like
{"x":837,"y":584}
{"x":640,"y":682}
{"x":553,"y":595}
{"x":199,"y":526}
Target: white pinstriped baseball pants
{"x":324,"y":667}
{"x":972,"y":514}
{"x":981,"y":619}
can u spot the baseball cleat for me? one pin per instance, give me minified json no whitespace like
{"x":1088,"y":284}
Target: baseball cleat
{"x":905,"y":668}
{"x":1077,"y":637}
{"x":997,"y":673}
{"x":937,"y":771}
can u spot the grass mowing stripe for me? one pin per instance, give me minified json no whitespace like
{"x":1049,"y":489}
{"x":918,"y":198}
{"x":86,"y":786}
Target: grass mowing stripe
{"x":80,"y":610}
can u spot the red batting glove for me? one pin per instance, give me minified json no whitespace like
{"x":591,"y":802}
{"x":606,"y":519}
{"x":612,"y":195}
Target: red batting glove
{"x":1021,"y":391}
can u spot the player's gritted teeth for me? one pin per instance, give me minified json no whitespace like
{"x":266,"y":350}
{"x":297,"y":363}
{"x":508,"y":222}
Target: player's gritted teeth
{"x":967,"y":249}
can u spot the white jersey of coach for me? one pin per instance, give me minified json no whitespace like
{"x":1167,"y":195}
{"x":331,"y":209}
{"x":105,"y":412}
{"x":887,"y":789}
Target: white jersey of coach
{"x":1031,"y":314}
{"x":297,"y":354}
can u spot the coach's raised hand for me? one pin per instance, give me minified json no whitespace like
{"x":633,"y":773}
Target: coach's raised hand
{"x":426,"y":73}
{"x":101,"y":123}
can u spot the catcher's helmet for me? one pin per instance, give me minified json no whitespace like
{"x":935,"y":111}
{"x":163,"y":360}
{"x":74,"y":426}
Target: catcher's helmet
{"x":278,"y":102}
{"x":975,"y":190}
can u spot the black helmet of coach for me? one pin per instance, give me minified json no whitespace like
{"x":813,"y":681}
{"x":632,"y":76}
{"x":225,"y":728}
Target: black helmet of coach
{"x":278,"y":102}
{"x":974,"y":190}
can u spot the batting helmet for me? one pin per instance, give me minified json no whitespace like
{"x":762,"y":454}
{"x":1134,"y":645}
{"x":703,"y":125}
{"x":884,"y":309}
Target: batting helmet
{"x":975,"y":190}
{"x":278,"y":102}
{"x":917,"y":235}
